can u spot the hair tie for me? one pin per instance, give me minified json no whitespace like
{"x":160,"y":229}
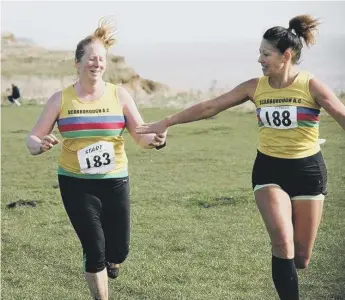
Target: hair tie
{"x":293,"y":31}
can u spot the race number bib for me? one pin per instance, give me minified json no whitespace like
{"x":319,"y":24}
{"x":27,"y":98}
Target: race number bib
{"x":281,"y":117}
{"x":98,"y":158}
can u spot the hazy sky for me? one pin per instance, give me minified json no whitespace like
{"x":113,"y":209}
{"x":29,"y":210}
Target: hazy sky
{"x":184,"y":44}
{"x":62,"y":24}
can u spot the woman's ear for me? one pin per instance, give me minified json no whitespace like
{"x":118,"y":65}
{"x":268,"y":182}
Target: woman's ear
{"x":288,"y":55}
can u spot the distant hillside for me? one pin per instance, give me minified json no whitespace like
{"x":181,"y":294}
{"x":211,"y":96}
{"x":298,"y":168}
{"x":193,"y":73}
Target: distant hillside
{"x":40,"y":72}
{"x":8,"y":38}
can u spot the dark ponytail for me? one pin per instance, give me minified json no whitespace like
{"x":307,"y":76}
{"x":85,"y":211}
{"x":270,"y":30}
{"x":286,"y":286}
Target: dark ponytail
{"x":305,"y":27}
{"x":302,"y":27}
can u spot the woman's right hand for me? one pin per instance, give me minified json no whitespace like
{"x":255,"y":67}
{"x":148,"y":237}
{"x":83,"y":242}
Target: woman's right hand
{"x":48,"y":142}
{"x":158,"y":127}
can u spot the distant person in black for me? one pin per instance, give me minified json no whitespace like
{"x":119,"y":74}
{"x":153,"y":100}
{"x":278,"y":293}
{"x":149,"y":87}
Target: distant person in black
{"x":13,"y":98}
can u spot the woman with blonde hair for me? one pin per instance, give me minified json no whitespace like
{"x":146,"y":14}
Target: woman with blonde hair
{"x":289,"y":175}
{"x":92,"y":116}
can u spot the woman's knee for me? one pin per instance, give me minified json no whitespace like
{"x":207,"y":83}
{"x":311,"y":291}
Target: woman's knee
{"x":283,"y":247}
{"x":301,"y":261}
{"x":302,"y":255}
{"x":94,"y":261}
{"x":124,"y":254}
{"x":118,"y":256}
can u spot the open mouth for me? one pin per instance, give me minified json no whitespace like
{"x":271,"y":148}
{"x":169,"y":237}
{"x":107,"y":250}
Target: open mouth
{"x":95,"y":72}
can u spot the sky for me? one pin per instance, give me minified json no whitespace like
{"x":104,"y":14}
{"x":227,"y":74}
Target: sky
{"x":184,"y":44}
{"x":61,"y":24}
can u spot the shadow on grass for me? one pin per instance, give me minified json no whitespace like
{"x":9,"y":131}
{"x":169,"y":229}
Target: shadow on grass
{"x":221,"y":129}
{"x":20,"y":131}
{"x":219,"y":201}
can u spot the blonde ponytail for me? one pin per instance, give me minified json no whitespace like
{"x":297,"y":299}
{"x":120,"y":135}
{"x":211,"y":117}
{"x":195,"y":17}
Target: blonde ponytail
{"x":105,"y":33}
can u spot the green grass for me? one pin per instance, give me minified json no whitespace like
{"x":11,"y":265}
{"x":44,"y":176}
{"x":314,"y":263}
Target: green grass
{"x":196,"y":231}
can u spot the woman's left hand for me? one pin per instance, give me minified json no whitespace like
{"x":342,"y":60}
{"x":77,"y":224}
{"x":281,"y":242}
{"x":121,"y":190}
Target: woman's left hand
{"x":159,"y":139}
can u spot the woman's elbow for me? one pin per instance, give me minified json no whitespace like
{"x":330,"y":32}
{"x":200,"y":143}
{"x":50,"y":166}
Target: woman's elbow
{"x":209,"y":109}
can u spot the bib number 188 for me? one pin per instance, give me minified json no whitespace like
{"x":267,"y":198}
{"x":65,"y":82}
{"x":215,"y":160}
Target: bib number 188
{"x":283,"y":117}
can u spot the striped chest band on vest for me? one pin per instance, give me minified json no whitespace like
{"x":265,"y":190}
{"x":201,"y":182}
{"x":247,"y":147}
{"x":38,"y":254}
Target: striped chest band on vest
{"x":287,"y":117}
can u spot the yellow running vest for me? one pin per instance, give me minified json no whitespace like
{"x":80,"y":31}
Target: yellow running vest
{"x":288,"y":119}
{"x":93,"y":145}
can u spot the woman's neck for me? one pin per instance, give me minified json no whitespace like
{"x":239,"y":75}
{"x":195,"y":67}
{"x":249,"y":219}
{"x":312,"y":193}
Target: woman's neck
{"x":284,"y":79}
{"x":87,"y":88}
{"x":89,"y":92}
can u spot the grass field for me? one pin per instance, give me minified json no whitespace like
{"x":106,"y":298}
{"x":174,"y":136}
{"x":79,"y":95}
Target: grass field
{"x":196,"y":231}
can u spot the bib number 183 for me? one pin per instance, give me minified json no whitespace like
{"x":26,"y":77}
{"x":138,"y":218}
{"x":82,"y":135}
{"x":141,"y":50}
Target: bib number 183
{"x":281,"y":117}
{"x":98,"y":161}
{"x":98,"y":158}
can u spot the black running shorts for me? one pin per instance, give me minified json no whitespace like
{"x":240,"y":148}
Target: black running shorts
{"x":301,"y":178}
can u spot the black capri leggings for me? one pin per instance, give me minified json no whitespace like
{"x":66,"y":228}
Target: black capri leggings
{"x":99,"y":211}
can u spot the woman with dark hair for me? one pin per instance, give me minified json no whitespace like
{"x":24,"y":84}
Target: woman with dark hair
{"x":289,"y":175}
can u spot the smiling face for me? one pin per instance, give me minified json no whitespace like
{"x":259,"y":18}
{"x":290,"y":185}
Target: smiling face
{"x":93,"y":63}
{"x":271,"y":60}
